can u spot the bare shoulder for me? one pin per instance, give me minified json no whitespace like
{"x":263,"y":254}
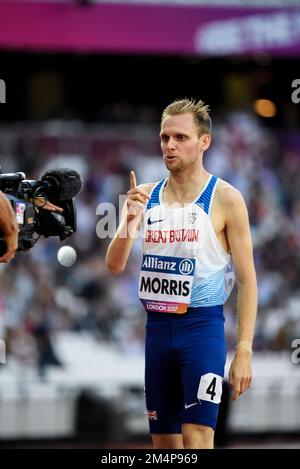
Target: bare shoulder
{"x":228,"y":197}
{"x":147,"y":187}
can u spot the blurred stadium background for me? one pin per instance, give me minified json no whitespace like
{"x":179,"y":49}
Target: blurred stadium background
{"x":86,"y":82}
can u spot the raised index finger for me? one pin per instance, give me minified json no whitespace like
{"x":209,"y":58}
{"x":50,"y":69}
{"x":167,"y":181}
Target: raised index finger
{"x":132,"y":180}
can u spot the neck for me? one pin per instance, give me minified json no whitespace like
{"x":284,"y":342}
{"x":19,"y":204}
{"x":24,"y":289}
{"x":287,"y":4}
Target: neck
{"x":186,"y":183}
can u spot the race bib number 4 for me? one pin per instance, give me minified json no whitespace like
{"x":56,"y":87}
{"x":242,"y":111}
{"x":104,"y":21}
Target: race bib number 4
{"x":166,"y":283}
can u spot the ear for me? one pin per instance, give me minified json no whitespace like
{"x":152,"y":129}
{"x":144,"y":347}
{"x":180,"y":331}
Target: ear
{"x":205,"y":141}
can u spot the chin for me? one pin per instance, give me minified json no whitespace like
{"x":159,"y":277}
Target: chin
{"x":173,"y":167}
{"x":175,"y":171}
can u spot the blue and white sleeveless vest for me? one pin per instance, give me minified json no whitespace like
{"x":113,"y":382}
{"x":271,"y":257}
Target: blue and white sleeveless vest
{"x":184,"y":264}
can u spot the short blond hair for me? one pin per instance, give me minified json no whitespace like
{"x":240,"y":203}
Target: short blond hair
{"x":199,"y":110}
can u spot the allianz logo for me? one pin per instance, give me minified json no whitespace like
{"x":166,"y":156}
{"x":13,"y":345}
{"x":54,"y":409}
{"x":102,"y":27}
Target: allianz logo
{"x":185,"y":267}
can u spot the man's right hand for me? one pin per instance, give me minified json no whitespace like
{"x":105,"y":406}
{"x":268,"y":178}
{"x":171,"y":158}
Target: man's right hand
{"x":119,"y":249}
{"x":136,"y":200}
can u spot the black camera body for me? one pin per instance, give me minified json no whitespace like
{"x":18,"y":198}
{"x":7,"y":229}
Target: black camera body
{"x":59,"y":187}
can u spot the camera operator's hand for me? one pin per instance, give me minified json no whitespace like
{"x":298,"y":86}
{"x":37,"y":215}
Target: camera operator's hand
{"x":43,"y":203}
{"x":9,"y":228}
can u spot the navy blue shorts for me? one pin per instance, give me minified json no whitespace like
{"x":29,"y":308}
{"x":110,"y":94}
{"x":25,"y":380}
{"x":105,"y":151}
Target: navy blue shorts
{"x":184,"y":368}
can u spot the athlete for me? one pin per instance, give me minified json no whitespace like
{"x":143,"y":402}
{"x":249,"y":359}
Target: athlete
{"x":196,"y":241}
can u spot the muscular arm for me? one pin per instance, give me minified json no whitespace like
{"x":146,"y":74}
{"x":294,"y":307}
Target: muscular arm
{"x":9,"y":228}
{"x":119,"y":249}
{"x":239,"y":239}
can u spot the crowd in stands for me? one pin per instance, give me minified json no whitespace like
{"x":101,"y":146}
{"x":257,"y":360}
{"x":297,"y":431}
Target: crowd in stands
{"x":39,"y":297}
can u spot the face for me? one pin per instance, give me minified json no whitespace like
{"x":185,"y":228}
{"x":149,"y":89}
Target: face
{"x":181,"y":145}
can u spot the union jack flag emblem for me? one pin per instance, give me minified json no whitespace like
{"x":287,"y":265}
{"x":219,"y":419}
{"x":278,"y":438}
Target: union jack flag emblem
{"x":152,"y":414}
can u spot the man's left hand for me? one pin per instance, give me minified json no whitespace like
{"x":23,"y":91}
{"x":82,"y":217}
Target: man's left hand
{"x":42,"y":203}
{"x":240,"y":373}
